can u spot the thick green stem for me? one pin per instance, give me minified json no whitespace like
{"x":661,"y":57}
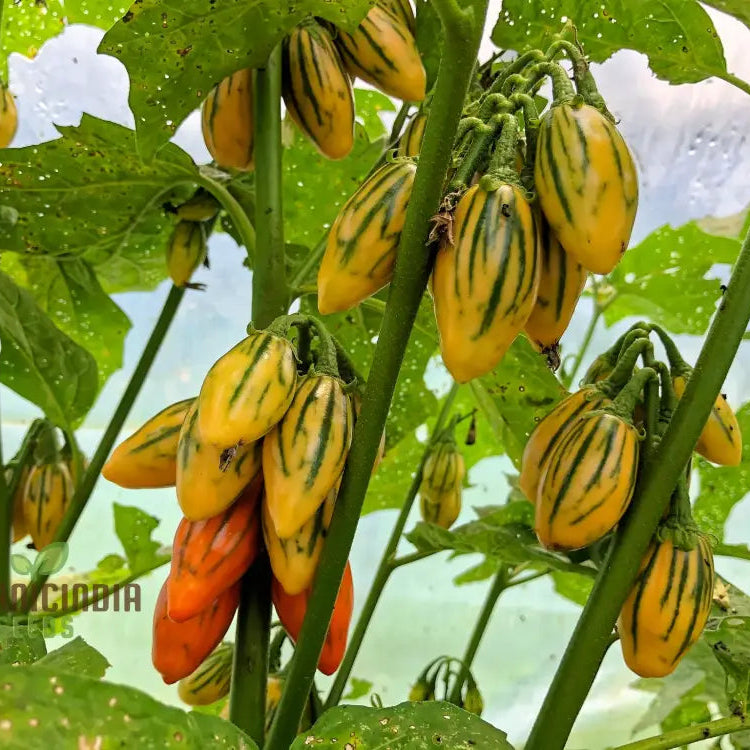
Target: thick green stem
{"x":247,"y":701}
{"x":499,"y":584}
{"x":247,"y":706}
{"x":658,"y":477}
{"x":388,"y":563}
{"x":688,"y":735}
{"x":463,"y":30}
{"x":137,"y":379}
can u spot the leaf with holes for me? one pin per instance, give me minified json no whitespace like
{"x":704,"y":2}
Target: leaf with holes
{"x":195,"y":44}
{"x":666,"y":278}
{"x":418,"y":726}
{"x":41,"y":363}
{"x":678,"y":36}
{"x":134,"y":527}
{"x":20,"y":644}
{"x":75,"y":657}
{"x":94,"y":174}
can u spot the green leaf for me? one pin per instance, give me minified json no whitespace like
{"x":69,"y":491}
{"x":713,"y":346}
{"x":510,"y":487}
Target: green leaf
{"x":572,"y":586}
{"x":75,"y":657}
{"x":52,"y":558}
{"x":392,"y":480}
{"x":481,"y":572}
{"x":722,"y":487}
{"x":134,"y":527}
{"x":413,"y":725}
{"x":70,"y":293}
{"x":516,"y":395}
{"x":195,"y":44}
{"x":429,"y":39}
{"x":20,"y":644}
{"x":77,"y":711}
{"x":666,"y":279}
{"x":369,"y":105}
{"x":41,"y":363}
{"x":88,"y":195}
{"x":730,"y":640}
{"x":737,"y":8}
{"x":678,"y":36}
{"x":358,"y":689}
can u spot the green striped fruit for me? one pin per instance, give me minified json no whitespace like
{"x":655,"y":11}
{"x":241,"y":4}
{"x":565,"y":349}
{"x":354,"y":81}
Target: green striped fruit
{"x":484,"y":285}
{"x":201,"y":207}
{"x":442,"y":510}
{"x":443,"y":471}
{"x":720,"y":440}
{"x":186,"y":250}
{"x":294,"y":559}
{"x":410,"y":142}
{"x":227,"y":121}
{"x":361,"y":250}
{"x":317,"y":90}
{"x":561,"y":281}
{"x":548,"y":433}
{"x":8,"y":116}
{"x":247,"y":390}
{"x":667,"y":608}
{"x":211,"y":477}
{"x":210,"y":682}
{"x":587,"y":184}
{"x":18,"y":524}
{"x":402,"y":10}
{"x":47,"y":495}
{"x":383,"y":52}
{"x":148,"y":458}
{"x":587,"y":483}
{"x":304,"y":454}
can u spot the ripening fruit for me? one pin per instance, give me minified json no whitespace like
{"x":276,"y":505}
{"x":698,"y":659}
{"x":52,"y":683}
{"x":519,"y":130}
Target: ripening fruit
{"x":304,"y":454}
{"x":228,"y":121}
{"x":484,"y":286}
{"x":410,"y":142}
{"x":317,"y":91}
{"x":19,"y":520}
{"x":361,"y":249}
{"x":148,"y":458}
{"x":402,"y":10}
{"x":667,"y":608}
{"x":587,"y":184}
{"x":179,"y":648}
{"x":47,"y":495}
{"x":209,"y":556}
{"x":186,"y":250}
{"x":383,"y":52}
{"x":721,"y":438}
{"x":291,"y":611}
{"x":201,"y":207}
{"x":561,"y":281}
{"x":294,"y":559}
{"x":8,"y":117}
{"x":211,"y":680}
{"x":247,"y":390}
{"x":587,"y":483}
{"x":211,"y":477}
{"x":442,"y":480}
{"x":548,"y":433}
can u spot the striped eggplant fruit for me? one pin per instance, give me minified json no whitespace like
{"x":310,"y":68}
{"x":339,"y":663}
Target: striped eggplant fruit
{"x":317,"y":90}
{"x":485,"y":284}
{"x":186,"y":250}
{"x":383,"y":52}
{"x":587,"y":184}
{"x":402,"y":10}
{"x":410,"y":142}
{"x":561,"y":281}
{"x":47,"y":495}
{"x":667,"y":608}
{"x":8,"y":116}
{"x":361,"y":249}
{"x":304,"y":454}
{"x":227,"y":121}
{"x":148,"y":458}
{"x":247,"y":390}
{"x":587,"y":483}
{"x":211,"y":681}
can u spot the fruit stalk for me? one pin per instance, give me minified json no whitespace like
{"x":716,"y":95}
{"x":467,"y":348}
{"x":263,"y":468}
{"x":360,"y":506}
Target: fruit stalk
{"x":463,"y":29}
{"x":388,"y":563}
{"x":269,"y":300}
{"x":590,"y":639}
{"x":137,"y":379}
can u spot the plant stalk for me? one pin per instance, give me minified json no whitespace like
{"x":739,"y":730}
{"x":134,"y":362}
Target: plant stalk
{"x":656,"y":481}
{"x":595,"y":315}
{"x":247,"y":705}
{"x":463,"y":31}
{"x":88,"y":481}
{"x":688,"y":735}
{"x":499,"y":584}
{"x":388,"y":563}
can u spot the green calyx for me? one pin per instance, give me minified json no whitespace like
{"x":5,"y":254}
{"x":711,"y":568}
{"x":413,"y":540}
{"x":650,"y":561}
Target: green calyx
{"x":624,"y":405}
{"x":515,"y":67}
{"x":679,"y":526}
{"x":46,"y":447}
{"x":625,"y":364}
{"x":677,"y":364}
{"x":324,"y":357}
{"x":501,"y":168}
